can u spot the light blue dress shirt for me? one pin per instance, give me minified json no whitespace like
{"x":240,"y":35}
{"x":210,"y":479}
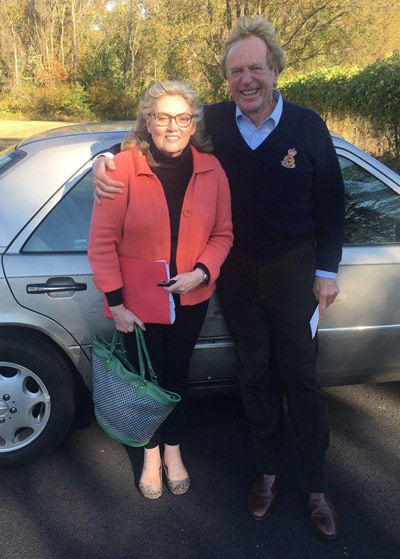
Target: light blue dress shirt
{"x":254,"y":136}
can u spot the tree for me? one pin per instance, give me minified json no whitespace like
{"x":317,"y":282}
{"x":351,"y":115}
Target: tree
{"x":115,"y":48}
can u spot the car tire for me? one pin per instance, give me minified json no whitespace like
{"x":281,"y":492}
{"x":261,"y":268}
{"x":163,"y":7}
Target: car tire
{"x":36,"y":399}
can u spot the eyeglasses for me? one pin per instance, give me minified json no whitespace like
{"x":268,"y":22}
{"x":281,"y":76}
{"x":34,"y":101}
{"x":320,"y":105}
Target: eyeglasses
{"x":163,"y":119}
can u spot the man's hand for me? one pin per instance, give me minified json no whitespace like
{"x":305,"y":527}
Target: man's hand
{"x":325,"y":291}
{"x":103,"y":186}
{"x":125,"y":319}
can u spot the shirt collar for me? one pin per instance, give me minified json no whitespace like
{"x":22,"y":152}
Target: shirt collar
{"x":275,"y":116}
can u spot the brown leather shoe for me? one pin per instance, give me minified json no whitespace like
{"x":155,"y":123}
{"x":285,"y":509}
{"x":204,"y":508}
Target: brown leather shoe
{"x":323,"y":515}
{"x":262,"y":496}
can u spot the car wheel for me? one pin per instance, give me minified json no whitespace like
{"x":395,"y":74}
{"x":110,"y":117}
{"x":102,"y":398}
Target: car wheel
{"x":36,"y":399}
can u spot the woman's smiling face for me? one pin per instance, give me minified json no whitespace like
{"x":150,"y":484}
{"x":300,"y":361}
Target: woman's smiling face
{"x":172,"y":139}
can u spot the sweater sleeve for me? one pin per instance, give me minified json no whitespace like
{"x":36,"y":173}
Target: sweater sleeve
{"x":221,"y":238}
{"x":106,"y":231}
{"x":114,"y":298}
{"x":328,"y":198}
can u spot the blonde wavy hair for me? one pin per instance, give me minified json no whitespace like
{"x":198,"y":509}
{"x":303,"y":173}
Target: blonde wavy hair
{"x":259,"y":27}
{"x":140,"y":137}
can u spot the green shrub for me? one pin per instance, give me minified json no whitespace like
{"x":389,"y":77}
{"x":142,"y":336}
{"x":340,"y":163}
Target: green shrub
{"x":375,"y":95}
{"x":111,"y":103}
{"x":371,"y":94}
{"x":59,"y":101}
{"x":16,"y":103}
{"x":323,"y":91}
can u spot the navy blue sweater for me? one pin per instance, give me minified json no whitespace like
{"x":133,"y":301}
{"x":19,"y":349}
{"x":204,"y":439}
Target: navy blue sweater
{"x":276,"y":206}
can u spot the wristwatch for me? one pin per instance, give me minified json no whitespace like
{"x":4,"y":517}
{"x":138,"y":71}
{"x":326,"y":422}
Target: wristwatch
{"x":206,"y":277}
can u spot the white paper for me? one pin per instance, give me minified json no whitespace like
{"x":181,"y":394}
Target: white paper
{"x":314,"y":322}
{"x":171,"y":308}
{"x":171,"y":299}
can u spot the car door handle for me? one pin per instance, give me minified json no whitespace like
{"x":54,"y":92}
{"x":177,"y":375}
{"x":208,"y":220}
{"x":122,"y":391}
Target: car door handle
{"x":37,"y":288}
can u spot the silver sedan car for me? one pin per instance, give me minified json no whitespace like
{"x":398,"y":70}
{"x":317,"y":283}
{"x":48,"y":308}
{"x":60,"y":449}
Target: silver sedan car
{"x":50,"y":308}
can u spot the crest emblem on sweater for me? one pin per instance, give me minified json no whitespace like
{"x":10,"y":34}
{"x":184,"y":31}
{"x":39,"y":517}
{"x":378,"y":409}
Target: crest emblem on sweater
{"x":289,"y":161}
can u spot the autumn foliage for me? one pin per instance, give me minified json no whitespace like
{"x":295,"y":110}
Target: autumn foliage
{"x":93,"y":59}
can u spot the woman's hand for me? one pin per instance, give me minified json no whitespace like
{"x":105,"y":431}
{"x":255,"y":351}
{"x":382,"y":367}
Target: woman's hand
{"x":186,"y":282}
{"x":125,"y":319}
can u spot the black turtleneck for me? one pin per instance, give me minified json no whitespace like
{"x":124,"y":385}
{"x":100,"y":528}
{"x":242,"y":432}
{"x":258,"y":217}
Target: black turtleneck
{"x":174,"y":173}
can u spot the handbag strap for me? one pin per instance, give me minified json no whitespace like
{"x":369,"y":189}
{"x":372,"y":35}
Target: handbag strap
{"x":118,"y":339}
{"x":142,"y":348}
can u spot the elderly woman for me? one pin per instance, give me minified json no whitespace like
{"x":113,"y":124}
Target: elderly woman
{"x":175,"y":207}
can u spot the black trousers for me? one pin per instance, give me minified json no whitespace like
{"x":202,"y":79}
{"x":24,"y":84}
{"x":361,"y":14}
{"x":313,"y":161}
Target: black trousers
{"x":270,"y":301}
{"x":171,"y":347}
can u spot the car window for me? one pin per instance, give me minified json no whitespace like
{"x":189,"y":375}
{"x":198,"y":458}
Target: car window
{"x":372,"y":214}
{"x":66,"y":227}
{"x":372,"y":208}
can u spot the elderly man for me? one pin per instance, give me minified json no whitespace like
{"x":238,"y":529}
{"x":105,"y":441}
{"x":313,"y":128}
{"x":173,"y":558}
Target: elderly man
{"x":288,"y":218}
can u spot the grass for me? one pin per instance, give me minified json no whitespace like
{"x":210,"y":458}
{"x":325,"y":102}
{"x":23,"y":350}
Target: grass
{"x":12,"y":131}
{"x":25,"y":128}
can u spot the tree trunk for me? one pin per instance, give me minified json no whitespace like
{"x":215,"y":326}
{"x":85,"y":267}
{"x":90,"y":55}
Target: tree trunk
{"x":16,"y":65}
{"x":62,"y":19}
{"x":128,"y":46}
{"x":74,"y":41}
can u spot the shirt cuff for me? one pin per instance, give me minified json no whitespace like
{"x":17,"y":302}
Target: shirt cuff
{"x":324,"y":274}
{"x":105,"y":154}
{"x":114,"y":298}
{"x":205,"y":270}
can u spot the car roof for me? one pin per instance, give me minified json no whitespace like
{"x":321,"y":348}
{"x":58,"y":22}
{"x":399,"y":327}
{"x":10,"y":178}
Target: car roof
{"x":347,"y":149}
{"x":78,"y":129}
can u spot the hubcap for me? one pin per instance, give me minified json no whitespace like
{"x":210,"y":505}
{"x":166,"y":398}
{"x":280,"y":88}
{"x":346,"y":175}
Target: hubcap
{"x":3,"y":409}
{"x":24,"y":406}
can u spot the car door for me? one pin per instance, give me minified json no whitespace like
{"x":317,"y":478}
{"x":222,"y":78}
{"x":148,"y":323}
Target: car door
{"x":359,"y":334}
{"x":47,"y":267}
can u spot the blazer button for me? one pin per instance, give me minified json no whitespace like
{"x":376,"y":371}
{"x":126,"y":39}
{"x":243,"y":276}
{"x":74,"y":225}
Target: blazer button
{"x":187,"y":213}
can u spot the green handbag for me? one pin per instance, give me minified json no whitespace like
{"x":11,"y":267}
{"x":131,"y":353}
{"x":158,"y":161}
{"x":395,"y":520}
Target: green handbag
{"x":129,"y":405}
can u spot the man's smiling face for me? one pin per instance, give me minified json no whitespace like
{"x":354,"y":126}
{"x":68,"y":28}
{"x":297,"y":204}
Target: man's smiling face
{"x":251,"y":80}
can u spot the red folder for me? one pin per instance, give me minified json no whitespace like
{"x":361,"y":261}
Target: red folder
{"x":140,"y":292}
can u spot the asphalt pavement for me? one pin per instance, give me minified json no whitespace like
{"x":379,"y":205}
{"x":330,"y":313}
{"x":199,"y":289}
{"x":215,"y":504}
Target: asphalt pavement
{"x":82,"y":501}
